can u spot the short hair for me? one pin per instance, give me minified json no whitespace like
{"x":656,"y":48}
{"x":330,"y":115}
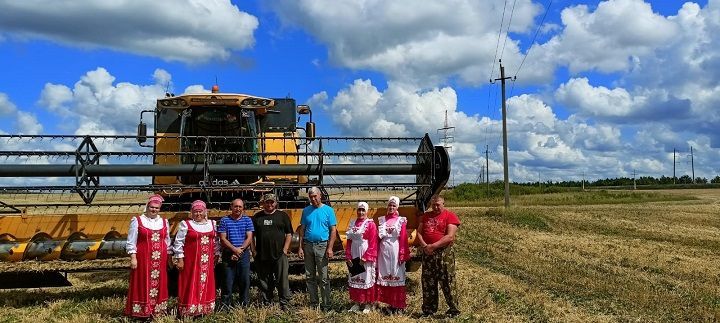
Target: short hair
{"x":437,"y":198}
{"x":314,"y":190}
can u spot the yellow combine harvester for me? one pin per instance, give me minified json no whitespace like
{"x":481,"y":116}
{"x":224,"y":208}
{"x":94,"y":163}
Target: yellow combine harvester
{"x":211,"y":146}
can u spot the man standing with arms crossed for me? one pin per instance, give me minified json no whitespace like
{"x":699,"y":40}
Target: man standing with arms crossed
{"x":437,"y":230}
{"x":317,"y":237}
{"x":236,"y":233}
{"x":273,"y":232}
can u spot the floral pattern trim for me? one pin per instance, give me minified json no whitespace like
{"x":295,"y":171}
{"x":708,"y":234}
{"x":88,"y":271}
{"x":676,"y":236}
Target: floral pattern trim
{"x":146,"y":310}
{"x":197,"y":309}
{"x":205,"y":266}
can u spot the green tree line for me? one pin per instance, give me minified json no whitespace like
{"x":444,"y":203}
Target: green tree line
{"x":471,"y":191}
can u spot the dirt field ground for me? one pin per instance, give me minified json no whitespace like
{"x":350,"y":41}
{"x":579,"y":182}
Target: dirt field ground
{"x":654,"y":261}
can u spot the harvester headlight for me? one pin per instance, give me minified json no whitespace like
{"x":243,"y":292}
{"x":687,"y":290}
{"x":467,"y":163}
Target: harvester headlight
{"x":255,"y":102}
{"x":174,"y":102}
{"x":183,"y":102}
{"x":165,"y":102}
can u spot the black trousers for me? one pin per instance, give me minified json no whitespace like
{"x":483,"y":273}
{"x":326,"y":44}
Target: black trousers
{"x":273,"y":274}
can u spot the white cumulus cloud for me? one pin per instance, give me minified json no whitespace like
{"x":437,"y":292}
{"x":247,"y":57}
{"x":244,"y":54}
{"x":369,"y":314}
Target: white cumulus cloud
{"x":6,"y":106}
{"x":27,"y":124}
{"x":606,"y":39}
{"x":96,"y":104}
{"x":174,"y":30}
{"x":420,"y":43}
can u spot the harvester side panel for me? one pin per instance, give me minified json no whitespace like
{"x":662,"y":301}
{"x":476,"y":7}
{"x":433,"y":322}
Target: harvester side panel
{"x":168,"y":144}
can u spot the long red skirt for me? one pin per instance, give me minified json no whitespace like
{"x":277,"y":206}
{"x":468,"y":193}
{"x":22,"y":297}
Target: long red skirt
{"x":392,"y":295}
{"x":363,"y":296}
{"x":147,"y":295}
{"x":196,"y":284}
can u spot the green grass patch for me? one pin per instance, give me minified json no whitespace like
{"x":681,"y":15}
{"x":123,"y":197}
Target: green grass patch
{"x":599,"y":197}
{"x":522,"y":218}
{"x":498,"y":296}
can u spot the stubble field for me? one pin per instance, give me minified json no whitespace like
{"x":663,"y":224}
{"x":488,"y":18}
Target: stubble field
{"x":653,"y":260}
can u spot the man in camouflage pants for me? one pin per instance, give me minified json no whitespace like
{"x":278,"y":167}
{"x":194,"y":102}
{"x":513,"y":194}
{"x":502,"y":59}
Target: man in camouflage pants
{"x":437,"y":229}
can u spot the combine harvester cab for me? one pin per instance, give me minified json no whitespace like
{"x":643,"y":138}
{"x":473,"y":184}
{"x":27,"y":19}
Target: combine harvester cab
{"x":66,"y":201}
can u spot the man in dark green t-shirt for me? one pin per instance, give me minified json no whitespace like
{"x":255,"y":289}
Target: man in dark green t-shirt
{"x":273,"y":232}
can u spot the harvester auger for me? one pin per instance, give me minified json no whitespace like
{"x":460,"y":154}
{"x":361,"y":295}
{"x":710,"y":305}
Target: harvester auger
{"x":66,"y":201}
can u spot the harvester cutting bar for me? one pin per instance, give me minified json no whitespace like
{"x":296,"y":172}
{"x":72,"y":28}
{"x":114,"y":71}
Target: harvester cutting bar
{"x":34,"y":170}
{"x":115,"y":137}
{"x":155,"y":188}
{"x":80,"y":207}
{"x":210,"y":153}
{"x":59,"y":205}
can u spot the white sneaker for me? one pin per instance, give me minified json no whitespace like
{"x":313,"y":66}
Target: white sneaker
{"x":355,"y":308}
{"x":367,"y":309}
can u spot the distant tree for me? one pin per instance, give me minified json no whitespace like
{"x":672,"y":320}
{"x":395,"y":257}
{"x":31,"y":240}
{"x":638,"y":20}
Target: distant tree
{"x":552,"y":186}
{"x":685,"y":179}
{"x":664,"y":180}
{"x":647,"y":180}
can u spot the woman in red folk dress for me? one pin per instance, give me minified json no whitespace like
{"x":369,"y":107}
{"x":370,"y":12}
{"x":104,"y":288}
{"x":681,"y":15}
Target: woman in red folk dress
{"x":361,"y":250}
{"x":393,"y":252}
{"x":195,"y":251}
{"x":148,"y":245}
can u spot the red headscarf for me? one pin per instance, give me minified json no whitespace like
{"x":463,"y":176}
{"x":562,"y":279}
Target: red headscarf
{"x":198,"y":205}
{"x":155,"y":199}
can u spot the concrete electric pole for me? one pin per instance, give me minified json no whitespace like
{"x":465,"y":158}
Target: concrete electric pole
{"x":504,"y":130}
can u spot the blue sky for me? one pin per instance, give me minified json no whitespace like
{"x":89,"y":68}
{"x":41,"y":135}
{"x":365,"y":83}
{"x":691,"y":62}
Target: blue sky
{"x":605,"y":90}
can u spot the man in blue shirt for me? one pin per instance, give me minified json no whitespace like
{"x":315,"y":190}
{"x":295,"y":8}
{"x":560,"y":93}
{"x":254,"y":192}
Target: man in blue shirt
{"x":236,"y":232}
{"x":317,"y":237}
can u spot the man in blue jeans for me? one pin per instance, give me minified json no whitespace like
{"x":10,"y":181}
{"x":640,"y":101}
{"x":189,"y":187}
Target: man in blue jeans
{"x":236,"y":232}
{"x":317,"y":236}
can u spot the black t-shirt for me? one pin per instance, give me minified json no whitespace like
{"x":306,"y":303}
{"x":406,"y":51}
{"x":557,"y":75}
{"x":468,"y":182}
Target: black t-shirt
{"x":270,"y":231}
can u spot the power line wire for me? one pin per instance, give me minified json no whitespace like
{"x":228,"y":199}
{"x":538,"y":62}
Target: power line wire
{"x":491,"y":112}
{"x":532,"y":43}
{"x":507,"y":32}
{"x":537,"y":31}
{"x":497,"y":44}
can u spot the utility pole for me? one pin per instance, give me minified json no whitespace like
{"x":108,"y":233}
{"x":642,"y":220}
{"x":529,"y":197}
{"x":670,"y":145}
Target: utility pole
{"x":692,"y":164}
{"x":504,"y":129}
{"x":634,"y":183}
{"x":674,"y":166}
{"x":481,"y":176}
{"x":447,"y":140}
{"x":447,"y":130}
{"x":540,"y":181}
{"x":487,"y":170}
{"x":583,"y":181}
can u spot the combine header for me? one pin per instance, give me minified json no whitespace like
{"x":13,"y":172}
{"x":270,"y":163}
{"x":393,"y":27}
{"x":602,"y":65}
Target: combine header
{"x":69,"y":199}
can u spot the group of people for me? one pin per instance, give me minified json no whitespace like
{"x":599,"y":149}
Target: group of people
{"x":376,"y":257}
{"x":375,"y":254}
